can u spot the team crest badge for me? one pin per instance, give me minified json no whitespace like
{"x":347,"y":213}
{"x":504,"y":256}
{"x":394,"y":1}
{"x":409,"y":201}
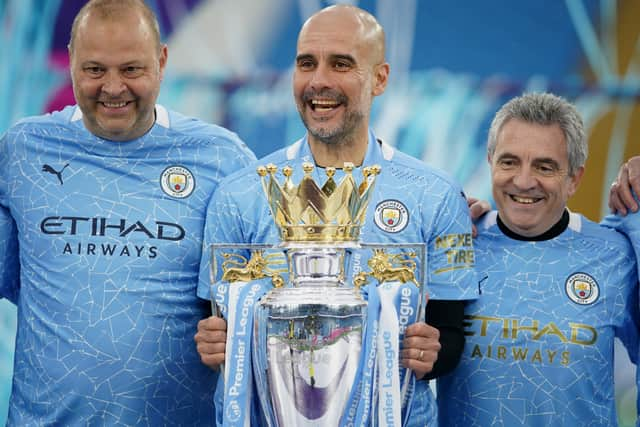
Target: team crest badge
{"x":582,"y":288}
{"x":391,"y":216}
{"x":177,"y":181}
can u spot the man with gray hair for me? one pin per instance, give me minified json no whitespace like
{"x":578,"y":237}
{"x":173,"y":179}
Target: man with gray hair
{"x":555,"y":288}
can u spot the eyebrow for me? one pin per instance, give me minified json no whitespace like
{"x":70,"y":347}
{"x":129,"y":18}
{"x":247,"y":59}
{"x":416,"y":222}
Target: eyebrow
{"x":547,"y":160}
{"x":304,"y":56}
{"x":347,"y":57}
{"x":333,"y":57}
{"x":537,"y":160}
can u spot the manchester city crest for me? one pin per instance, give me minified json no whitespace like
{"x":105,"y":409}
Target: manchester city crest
{"x":177,"y":181}
{"x":582,"y":289}
{"x":391,"y":216}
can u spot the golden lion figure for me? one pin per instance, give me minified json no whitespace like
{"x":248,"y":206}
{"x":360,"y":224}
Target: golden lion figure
{"x":389,"y":268}
{"x":236,"y":268}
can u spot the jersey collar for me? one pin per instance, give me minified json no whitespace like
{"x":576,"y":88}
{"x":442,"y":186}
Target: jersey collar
{"x":377,"y":151}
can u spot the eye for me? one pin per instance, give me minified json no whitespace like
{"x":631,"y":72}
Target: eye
{"x":342,"y":65}
{"x":305,"y":64}
{"x":94,"y":70}
{"x":545,"y":169}
{"x":506,"y":163}
{"x":132,"y":71}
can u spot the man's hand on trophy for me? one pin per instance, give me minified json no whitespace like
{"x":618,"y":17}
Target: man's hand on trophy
{"x":420,"y":348}
{"x":620,"y":196}
{"x":211,"y":340}
{"x":477,"y":208}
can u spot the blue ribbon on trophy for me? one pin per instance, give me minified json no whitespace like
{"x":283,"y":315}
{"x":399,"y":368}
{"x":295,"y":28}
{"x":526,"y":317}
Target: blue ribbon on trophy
{"x":317,"y":348}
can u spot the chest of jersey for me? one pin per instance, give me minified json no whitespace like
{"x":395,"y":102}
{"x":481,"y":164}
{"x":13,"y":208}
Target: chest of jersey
{"x":107,"y":212}
{"x":540,"y":306}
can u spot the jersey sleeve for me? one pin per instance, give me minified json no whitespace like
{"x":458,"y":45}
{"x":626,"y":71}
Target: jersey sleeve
{"x":628,"y":329}
{"x":629,"y":225}
{"x":9,"y":258}
{"x":222,"y":225}
{"x":450,"y":254}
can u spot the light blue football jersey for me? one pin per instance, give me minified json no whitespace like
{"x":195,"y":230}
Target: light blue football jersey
{"x":540,"y":337}
{"x":412,"y":203}
{"x":630,"y":226}
{"x":110,"y":238}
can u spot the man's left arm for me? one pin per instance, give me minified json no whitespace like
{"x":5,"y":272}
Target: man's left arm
{"x":448,"y":317}
{"x":450,"y":282}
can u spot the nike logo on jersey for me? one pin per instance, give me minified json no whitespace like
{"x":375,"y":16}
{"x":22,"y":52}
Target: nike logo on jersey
{"x":49,"y":169}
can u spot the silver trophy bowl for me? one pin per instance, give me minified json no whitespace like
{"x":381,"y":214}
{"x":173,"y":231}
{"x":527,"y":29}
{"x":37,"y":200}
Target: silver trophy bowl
{"x":308,"y":341}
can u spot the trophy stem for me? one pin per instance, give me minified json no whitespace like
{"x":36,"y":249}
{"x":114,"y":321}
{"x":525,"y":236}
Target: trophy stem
{"x":317,"y":266}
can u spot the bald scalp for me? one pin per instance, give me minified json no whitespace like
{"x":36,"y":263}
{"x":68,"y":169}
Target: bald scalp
{"x":369,"y":29}
{"x":111,"y":10}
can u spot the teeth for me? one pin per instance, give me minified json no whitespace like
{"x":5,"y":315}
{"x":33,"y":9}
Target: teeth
{"x":525,"y":200}
{"x":115,"y":104}
{"x":322,"y":105}
{"x":323,"y":102}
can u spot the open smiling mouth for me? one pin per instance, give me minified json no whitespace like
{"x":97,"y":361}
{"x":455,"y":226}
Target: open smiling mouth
{"x":525,"y":200}
{"x":112,"y":104}
{"x":323,"y":105}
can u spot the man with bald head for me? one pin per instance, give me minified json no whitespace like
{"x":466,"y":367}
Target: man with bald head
{"x":339,"y":69}
{"x":101,"y":215}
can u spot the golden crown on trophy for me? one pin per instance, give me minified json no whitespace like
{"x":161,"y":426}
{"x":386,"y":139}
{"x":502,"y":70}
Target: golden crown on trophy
{"x":308,"y":213}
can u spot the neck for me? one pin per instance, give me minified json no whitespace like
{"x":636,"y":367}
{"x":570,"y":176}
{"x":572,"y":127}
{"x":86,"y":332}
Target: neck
{"x":336,"y":155}
{"x":557,"y":229}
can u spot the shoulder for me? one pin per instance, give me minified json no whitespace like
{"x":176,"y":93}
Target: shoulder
{"x":32,"y":131}
{"x":404,"y":167}
{"x":44,"y":121}
{"x":597,"y":234}
{"x":196,"y":130}
{"x":248,"y":175}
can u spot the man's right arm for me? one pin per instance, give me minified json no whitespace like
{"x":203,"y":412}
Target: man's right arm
{"x":221,"y":225}
{"x":9,"y":257}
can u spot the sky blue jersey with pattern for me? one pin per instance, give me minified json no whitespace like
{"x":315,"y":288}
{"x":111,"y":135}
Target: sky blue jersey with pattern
{"x":629,"y":225}
{"x":425,"y":206}
{"x":110,"y":237}
{"x":540,"y":337}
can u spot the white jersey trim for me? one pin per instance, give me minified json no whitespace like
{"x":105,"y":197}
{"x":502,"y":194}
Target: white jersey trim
{"x":575,"y":221}
{"x":293,"y":150}
{"x":387,"y":150}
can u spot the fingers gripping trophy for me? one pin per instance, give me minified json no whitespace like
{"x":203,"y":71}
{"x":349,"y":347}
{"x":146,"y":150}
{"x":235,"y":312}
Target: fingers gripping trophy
{"x":324,"y":347}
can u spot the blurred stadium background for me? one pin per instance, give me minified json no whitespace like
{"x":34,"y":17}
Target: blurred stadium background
{"x":452,"y":65}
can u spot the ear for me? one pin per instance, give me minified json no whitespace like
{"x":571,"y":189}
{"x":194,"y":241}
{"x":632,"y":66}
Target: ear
{"x":381,"y":75}
{"x":575,"y":181}
{"x":162,"y":60}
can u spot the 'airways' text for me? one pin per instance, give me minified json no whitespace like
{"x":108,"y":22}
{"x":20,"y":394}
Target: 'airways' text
{"x":110,"y":249}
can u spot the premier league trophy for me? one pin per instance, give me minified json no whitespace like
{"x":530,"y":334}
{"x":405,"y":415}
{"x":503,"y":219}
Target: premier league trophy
{"x":314,"y":342}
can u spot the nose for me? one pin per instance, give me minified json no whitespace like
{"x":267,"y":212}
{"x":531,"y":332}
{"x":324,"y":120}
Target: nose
{"x":113,"y":84}
{"x":524,"y":179}
{"x":320,"y":78}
